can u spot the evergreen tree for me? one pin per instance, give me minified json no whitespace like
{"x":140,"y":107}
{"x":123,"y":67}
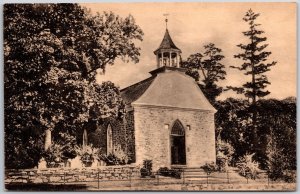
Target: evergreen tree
{"x":254,"y":56}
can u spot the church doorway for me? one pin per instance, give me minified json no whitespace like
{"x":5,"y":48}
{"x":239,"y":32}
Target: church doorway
{"x":178,"y":156}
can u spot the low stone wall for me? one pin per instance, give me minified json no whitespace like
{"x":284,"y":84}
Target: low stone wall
{"x":71,"y":175}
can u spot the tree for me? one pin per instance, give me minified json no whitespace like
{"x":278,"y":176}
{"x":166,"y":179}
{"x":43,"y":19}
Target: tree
{"x":52,"y":53}
{"x":254,"y":58}
{"x":276,"y":131}
{"x":210,"y":67}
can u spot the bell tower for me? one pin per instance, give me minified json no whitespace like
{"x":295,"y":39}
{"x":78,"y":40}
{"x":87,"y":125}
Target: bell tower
{"x":167,"y":53}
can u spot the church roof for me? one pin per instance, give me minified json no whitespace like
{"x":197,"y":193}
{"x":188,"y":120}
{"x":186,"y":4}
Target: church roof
{"x":133,"y":92}
{"x":167,"y":43}
{"x":167,"y":89}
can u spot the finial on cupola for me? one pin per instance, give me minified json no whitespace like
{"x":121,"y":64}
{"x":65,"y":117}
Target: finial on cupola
{"x":167,"y":53}
{"x":166,"y":20}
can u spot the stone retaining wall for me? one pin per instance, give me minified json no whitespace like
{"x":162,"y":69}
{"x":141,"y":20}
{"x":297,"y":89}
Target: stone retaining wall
{"x":71,"y":175}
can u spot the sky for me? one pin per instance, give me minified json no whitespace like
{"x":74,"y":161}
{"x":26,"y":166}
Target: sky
{"x":192,"y":25}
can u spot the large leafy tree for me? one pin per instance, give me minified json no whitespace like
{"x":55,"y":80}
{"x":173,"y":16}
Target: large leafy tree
{"x":52,"y":53}
{"x":254,"y":56}
{"x":208,"y":68}
{"x":276,"y":129}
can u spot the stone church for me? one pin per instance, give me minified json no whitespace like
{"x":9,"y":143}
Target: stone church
{"x":168,"y":119}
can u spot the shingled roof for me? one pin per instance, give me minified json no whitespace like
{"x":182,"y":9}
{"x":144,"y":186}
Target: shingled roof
{"x":174,"y":89}
{"x":167,"y":43}
{"x":133,"y":92}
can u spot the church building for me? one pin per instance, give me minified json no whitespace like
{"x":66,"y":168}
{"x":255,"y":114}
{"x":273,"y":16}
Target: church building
{"x":168,"y":118}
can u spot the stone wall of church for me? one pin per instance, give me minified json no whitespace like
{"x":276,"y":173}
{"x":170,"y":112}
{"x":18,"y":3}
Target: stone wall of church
{"x":130,"y":135}
{"x":152,"y":135}
{"x":122,"y":135}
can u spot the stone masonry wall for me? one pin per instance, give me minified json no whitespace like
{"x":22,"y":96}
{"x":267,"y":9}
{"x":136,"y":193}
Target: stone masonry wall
{"x":122,"y":135}
{"x":152,"y":135}
{"x":71,"y":175}
{"x":130,"y":135}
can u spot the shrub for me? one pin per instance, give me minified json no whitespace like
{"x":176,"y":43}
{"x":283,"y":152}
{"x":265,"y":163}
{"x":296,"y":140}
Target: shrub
{"x":164,"y":171}
{"x":148,"y":165}
{"x":221,"y":163}
{"x":146,"y":170}
{"x":111,"y":159}
{"x":53,"y":155}
{"x":118,"y":157}
{"x":224,"y":155}
{"x":209,"y":168}
{"x":289,"y":176}
{"x":123,"y":158}
{"x":87,"y":154}
{"x":62,"y":149}
{"x":247,"y":166}
{"x":175,"y":173}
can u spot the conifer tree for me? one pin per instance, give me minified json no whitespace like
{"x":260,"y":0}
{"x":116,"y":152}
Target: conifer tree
{"x":254,"y":56}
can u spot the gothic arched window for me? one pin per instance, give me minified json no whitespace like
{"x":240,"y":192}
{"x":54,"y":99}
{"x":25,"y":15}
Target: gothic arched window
{"x":177,"y":129}
{"x":109,"y":140}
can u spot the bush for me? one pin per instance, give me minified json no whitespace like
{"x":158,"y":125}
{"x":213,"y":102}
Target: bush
{"x":289,"y":176}
{"x":224,"y":155}
{"x":111,"y":159}
{"x":62,"y":149}
{"x":146,"y":170}
{"x":248,"y":167}
{"x":123,"y":158}
{"x":87,"y":155}
{"x":175,"y":173}
{"x":222,"y":164}
{"x":209,"y":168}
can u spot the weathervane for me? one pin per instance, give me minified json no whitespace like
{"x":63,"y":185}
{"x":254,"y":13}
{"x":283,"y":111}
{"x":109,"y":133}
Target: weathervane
{"x":166,"y":15}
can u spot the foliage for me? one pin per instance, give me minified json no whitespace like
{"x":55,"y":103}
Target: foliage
{"x":53,"y":155}
{"x":247,"y":166}
{"x":146,"y":170}
{"x":281,"y":154}
{"x":211,"y":68}
{"x":87,"y":154}
{"x":111,"y":159}
{"x":52,"y":54}
{"x":26,"y":151}
{"x":118,"y":157}
{"x":233,"y":125}
{"x":224,"y":155}
{"x":254,"y":58}
{"x":148,"y":165}
{"x":209,"y":167}
{"x":276,"y":121}
{"x":119,"y":153}
{"x":62,"y":148}
{"x":175,"y":173}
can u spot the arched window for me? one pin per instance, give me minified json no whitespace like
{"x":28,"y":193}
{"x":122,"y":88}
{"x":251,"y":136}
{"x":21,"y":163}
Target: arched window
{"x":177,"y":129}
{"x":109,"y":140}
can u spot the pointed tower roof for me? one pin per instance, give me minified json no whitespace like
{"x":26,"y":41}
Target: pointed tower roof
{"x":167,"y":43}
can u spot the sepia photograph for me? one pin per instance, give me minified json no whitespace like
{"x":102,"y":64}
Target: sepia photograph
{"x":150,"y":96}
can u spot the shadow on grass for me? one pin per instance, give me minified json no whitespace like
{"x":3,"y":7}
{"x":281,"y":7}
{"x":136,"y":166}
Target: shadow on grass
{"x":45,"y":187}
